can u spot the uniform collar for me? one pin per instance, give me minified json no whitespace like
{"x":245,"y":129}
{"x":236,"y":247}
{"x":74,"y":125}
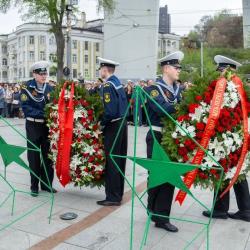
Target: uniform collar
{"x":174,"y":90}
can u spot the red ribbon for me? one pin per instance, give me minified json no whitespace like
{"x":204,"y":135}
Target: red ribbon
{"x":214,"y":114}
{"x":66,"y":119}
{"x":239,"y":85}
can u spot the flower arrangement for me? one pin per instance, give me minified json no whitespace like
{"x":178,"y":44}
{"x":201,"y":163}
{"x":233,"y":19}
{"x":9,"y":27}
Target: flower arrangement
{"x":87,"y":159}
{"x":226,"y":139}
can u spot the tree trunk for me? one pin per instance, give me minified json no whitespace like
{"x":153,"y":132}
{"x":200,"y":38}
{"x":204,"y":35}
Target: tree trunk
{"x":60,"y":42}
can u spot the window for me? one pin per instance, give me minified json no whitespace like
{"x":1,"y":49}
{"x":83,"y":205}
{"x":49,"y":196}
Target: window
{"x":97,"y":47}
{"x":74,"y":73}
{"x":74,"y":60}
{"x":174,"y":44}
{"x":97,"y":73}
{"x":32,"y":56}
{"x":31,"y":74}
{"x":42,"y":40}
{"x":52,"y":57}
{"x":42,"y":55}
{"x":23,"y":41}
{"x":23,"y":72}
{"x":4,"y":62}
{"x":96,"y":60}
{"x":31,"y":39}
{"x":24,"y":56}
{"x":19,"y":42}
{"x":86,"y":73}
{"x":4,"y":49}
{"x":86,"y":59}
{"x":52,"y":40}
{"x":5,"y":74}
{"x":168,"y":43}
{"x":86,"y":45}
{"x":20,"y":73}
{"x":74,"y":42}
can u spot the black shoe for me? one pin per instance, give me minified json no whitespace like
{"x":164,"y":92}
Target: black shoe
{"x":49,"y":190}
{"x":216,"y":214}
{"x":34,"y":192}
{"x":240,"y":215}
{"x":108,"y":203}
{"x":167,"y":226}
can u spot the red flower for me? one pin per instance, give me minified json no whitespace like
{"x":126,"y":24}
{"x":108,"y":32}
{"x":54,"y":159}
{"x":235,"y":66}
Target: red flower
{"x":213,"y":171}
{"x":199,"y":135}
{"x":90,"y":112}
{"x":182,"y":151}
{"x":177,"y":141}
{"x":192,"y":107}
{"x":185,"y":158}
{"x":87,"y":136}
{"x":198,"y":98}
{"x":203,"y":176}
{"x":200,"y":126}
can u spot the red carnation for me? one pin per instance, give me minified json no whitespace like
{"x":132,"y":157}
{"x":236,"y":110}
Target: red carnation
{"x":200,"y":126}
{"x":198,"y":98}
{"x":199,"y":135}
{"x":90,"y":112}
{"x":192,"y":107}
{"x":203,"y":175}
{"x":182,"y":151}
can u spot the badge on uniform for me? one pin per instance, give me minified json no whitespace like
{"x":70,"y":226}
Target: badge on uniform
{"x":24,"y":97}
{"x":154,"y":93}
{"x":34,"y":93}
{"x":168,"y":94}
{"x":107,"y":97}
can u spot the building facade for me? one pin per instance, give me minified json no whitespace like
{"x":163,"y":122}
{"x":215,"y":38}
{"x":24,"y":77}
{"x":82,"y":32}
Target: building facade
{"x":33,"y":42}
{"x":246,"y":23}
{"x":164,"y":21}
{"x":168,"y":43}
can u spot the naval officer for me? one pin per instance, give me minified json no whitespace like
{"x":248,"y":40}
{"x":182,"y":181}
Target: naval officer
{"x":166,"y":92}
{"x":115,"y":105}
{"x":34,"y":96}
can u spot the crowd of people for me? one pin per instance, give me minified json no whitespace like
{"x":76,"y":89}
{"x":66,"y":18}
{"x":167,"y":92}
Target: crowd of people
{"x":10,"y":101}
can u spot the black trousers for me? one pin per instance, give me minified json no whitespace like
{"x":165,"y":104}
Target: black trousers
{"x":114,"y":181}
{"x":242,"y":197}
{"x":160,"y":197}
{"x":37,"y":133}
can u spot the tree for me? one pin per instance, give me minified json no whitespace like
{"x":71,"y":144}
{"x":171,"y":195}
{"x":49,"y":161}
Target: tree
{"x":224,"y":30}
{"x":53,"y":11}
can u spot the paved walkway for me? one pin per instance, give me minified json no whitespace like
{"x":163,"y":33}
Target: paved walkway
{"x":105,"y":228}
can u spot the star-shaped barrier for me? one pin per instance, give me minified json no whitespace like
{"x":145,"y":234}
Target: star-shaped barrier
{"x":11,"y":154}
{"x":160,"y":170}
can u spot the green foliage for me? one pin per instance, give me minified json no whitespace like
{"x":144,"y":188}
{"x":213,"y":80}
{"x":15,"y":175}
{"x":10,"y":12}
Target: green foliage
{"x":224,"y":30}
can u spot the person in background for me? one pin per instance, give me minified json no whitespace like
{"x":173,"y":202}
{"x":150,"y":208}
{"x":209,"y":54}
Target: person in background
{"x":1,"y":99}
{"x":8,"y":100}
{"x":15,"y":103}
{"x":129,"y":92}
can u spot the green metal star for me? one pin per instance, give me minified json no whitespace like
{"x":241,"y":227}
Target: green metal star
{"x":11,"y":153}
{"x":163,"y":170}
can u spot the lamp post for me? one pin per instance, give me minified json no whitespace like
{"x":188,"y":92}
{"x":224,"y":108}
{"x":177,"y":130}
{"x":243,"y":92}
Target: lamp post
{"x":68,"y":71}
{"x":202,"y":52}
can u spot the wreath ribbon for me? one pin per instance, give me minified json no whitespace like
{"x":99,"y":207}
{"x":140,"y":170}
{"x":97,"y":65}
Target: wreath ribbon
{"x":214,"y":114}
{"x":66,"y":119}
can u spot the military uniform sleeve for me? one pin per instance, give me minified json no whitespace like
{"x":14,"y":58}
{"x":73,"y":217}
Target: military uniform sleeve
{"x":157,"y":96}
{"x":29,"y":110}
{"x":110,"y":101}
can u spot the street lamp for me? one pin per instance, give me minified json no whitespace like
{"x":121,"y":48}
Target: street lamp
{"x":202,"y":52}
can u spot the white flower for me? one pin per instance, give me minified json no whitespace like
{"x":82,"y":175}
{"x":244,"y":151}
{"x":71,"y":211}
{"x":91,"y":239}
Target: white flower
{"x":174,"y":135}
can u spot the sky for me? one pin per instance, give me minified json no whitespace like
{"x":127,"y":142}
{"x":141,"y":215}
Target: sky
{"x":184,"y":13}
